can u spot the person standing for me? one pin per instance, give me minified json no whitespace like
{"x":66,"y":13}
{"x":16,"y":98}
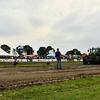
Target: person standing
{"x":57,"y":55}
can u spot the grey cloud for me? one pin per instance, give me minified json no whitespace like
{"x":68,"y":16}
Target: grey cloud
{"x":10,"y":27}
{"x":36,"y":22}
{"x":76,"y":24}
{"x":83,"y":27}
{"x":88,"y":27}
{"x":67,"y":24}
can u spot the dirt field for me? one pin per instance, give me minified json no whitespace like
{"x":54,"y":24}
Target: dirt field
{"x":16,"y":76}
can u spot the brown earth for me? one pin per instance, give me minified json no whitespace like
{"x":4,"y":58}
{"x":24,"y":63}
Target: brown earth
{"x":16,"y":76}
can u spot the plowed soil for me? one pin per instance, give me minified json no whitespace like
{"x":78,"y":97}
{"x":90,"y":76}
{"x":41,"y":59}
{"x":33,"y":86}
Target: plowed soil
{"x":21,"y":76}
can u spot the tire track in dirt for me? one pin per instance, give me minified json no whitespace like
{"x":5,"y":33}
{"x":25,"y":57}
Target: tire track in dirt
{"x":20,"y":77}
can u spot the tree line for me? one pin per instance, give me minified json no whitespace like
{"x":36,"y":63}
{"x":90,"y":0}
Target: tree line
{"x":43,"y":51}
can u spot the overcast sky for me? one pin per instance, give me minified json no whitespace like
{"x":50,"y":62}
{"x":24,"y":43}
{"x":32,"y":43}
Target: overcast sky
{"x":63,"y":24}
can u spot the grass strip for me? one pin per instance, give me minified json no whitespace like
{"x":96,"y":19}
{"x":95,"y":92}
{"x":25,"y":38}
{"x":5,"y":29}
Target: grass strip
{"x":37,"y":64}
{"x":79,"y":89}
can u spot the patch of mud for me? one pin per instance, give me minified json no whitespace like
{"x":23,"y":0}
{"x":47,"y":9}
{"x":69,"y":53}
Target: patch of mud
{"x":20,"y":77}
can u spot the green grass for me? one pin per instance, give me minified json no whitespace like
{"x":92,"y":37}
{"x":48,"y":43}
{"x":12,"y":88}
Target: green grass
{"x":80,"y":89}
{"x":37,"y":63}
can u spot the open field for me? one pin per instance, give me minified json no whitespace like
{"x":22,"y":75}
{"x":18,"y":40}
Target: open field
{"x":36,"y":73}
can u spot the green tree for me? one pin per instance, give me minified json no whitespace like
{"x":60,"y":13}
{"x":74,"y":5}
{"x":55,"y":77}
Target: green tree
{"x":48,"y":49}
{"x":73,"y":52}
{"x":6,"y":48}
{"x":41,"y":51}
{"x":26,"y":48}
